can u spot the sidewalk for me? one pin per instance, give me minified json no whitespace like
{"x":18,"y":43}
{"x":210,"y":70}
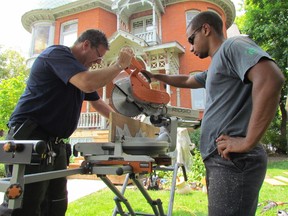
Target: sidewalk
{"x":78,"y":188}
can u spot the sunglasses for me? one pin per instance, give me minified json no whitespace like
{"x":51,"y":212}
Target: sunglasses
{"x":192,"y":36}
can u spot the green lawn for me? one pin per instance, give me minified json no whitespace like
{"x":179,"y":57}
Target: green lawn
{"x":101,"y":203}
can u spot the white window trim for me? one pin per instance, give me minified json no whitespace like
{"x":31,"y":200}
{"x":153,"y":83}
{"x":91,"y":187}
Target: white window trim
{"x":62,"y":34}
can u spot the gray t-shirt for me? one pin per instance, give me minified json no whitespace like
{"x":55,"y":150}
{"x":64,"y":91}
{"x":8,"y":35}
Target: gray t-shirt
{"x":228,"y":101}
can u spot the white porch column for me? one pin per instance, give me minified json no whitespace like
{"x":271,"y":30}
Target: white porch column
{"x":154,"y":23}
{"x":168,"y":88}
{"x":178,"y":101}
{"x":118,"y":21}
{"x":103,"y":119}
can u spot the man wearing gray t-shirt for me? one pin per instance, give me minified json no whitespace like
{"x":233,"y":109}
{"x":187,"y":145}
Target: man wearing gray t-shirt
{"x":243,"y":86}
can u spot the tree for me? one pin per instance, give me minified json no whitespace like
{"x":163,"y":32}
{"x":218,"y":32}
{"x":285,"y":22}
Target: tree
{"x":13,"y":74}
{"x":11,"y":63}
{"x":10,"y":91}
{"x":265,"y":21}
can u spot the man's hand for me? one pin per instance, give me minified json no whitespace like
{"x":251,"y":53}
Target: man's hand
{"x":124,"y":58}
{"x":147,"y":73}
{"x":227,"y":144}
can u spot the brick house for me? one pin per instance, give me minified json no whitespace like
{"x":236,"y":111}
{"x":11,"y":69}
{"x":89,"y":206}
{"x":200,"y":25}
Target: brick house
{"x":156,"y":29}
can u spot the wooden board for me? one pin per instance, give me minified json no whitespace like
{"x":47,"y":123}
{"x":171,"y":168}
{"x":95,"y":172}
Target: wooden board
{"x":133,"y":125}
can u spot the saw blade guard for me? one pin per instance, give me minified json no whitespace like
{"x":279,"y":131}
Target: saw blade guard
{"x":141,"y":89}
{"x":132,"y":94}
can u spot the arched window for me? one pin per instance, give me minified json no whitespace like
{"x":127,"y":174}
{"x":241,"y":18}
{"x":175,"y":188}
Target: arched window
{"x":190,"y":14}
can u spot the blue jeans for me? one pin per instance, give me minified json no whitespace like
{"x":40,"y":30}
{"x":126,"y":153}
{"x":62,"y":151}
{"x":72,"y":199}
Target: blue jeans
{"x":233,"y":185}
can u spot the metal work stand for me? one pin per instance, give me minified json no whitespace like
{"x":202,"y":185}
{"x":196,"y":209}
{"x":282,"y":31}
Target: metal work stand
{"x":156,"y":205}
{"x":19,"y":154}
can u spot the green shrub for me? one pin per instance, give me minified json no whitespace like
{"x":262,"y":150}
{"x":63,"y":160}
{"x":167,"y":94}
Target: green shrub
{"x":197,"y":172}
{"x":195,"y":137}
{"x":2,"y":171}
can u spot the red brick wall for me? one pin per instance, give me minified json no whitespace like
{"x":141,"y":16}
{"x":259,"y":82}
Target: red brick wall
{"x":174,"y":28}
{"x":96,"y":18}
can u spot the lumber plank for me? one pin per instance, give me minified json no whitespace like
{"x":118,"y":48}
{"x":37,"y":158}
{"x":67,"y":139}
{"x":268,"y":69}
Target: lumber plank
{"x":133,"y":125}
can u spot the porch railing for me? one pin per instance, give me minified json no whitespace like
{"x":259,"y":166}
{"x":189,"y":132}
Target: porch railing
{"x":149,"y":37}
{"x":92,"y":120}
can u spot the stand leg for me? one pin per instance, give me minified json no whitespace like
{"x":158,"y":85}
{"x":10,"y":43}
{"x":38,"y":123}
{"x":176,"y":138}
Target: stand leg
{"x":125,"y":183}
{"x":17,"y":177}
{"x":151,"y":202}
{"x":173,"y":186}
{"x":119,"y":195}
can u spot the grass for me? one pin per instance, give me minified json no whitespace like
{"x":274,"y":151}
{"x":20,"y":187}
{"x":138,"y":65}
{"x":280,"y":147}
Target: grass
{"x":101,"y":203}
{"x":274,"y":193}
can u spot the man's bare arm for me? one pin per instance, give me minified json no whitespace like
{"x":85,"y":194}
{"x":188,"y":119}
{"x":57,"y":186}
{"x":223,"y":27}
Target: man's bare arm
{"x":180,"y":81}
{"x":90,"y":81}
{"x":267,"y":81}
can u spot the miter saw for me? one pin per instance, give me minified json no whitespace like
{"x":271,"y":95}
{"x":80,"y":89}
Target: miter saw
{"x":132,"y":95}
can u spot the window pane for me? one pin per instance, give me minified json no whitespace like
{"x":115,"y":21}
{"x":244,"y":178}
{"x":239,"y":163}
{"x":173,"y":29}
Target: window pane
{"x":198,"y":98}
{"x":69,"y":33}
{"x":149,"y":22}
{"x":138,"y":26}
{"x":41,"y":38}
{"x":70,"y":28}
{"x":189,"y":16}
{"x":69,"y":39}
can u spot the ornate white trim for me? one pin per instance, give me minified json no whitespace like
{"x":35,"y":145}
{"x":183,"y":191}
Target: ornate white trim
{"x":68,"y":9}
{"x":226,"y":5}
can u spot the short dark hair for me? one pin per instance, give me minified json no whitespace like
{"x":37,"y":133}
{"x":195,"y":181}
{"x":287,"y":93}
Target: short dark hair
{"x":209,"y":17}
{"x":95,"y":36}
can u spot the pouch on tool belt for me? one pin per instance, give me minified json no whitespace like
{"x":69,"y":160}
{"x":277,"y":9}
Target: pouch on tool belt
{"x":25,"y":130}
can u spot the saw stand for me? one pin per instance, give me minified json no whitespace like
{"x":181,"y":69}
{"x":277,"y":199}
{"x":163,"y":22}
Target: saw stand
{"x":130,"y":156}
{"x":120,"y":198}
{"x":135,"y":156}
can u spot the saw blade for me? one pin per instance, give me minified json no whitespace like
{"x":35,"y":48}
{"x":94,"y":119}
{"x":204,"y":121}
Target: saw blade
{"x":123,"y":104}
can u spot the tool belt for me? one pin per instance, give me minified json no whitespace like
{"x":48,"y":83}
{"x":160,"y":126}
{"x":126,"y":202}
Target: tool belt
{"x":29,"y":130}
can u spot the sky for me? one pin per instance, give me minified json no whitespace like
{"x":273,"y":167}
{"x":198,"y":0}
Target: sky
{"x":13,"y":35}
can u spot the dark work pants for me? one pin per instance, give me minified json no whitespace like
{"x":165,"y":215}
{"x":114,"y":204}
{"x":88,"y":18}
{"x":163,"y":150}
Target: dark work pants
{"x":233,"y":185}
{"x":46,"y":198}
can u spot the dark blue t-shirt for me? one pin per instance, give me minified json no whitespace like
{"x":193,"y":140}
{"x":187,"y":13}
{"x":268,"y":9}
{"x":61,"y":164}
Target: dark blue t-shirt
{"x":49,"y":99}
